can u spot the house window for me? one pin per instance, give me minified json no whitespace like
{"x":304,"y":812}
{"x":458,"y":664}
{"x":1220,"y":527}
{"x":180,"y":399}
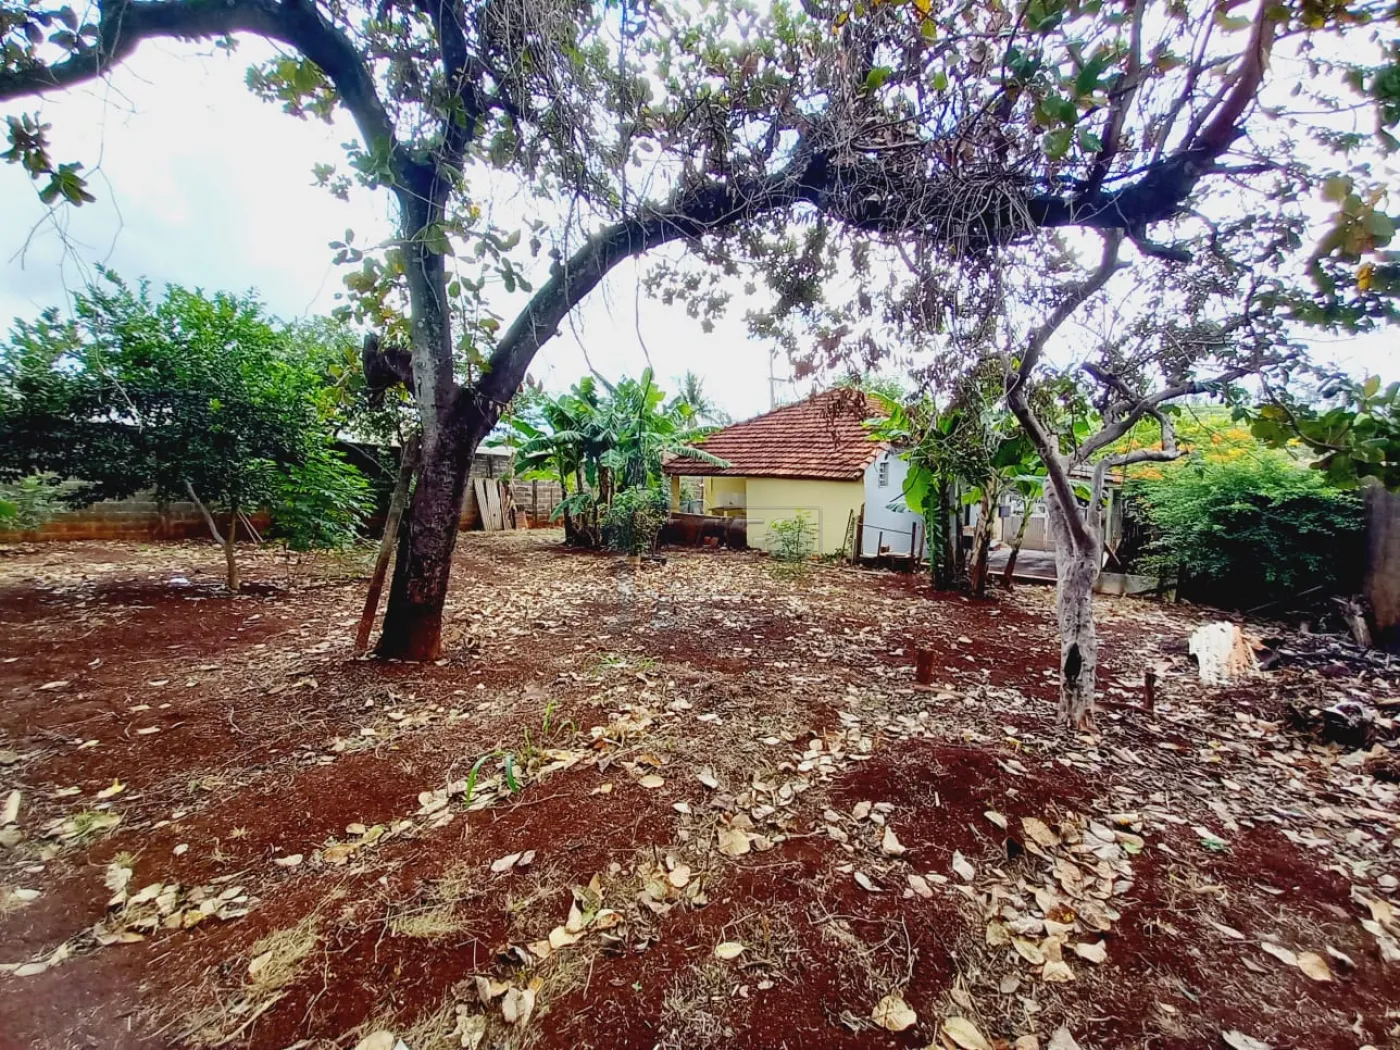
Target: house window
{"x":882,"y":474}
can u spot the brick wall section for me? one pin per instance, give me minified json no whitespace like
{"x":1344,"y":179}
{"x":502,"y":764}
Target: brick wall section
{"x":137,"y":519}
{"x":538,"y":500}
{"x":141,"y":519}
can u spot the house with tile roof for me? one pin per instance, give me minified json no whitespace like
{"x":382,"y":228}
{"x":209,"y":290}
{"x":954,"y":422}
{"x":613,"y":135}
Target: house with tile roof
{"x":815,"y":457}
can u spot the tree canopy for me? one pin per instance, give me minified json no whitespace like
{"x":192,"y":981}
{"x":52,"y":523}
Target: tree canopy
{"x":193,"y":397}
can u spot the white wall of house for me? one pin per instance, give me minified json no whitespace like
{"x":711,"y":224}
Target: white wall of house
{"x":889,"y":526}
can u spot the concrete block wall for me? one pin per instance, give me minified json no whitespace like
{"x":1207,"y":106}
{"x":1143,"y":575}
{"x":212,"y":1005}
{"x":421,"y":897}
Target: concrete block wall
{"x":138,"y":519}
{"x":142,"y":519}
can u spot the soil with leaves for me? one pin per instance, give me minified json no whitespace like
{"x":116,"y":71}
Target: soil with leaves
{"x":699,"y":804}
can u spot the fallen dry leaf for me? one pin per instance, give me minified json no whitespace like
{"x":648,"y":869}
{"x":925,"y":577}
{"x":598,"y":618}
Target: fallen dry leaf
{"x":893,"y":1014}
{"x":1095,"y":953}
{"x":488,"y":988}
{"x":1283,"y":955}
{"x":964,"y":1034}
{"x":890,"y":845}
{"x":733,"y":842}
{"x":729,"y":950}
{"x":1314,"y":965}
{"x":503,"y":864}
{"x":518,"y":1005}
{"x":10,"y":814}
{"x":1039,"y":832}
{"x":1237,"y":1040}
{"x":471,"y":1028}
{"x":652,"y":781}
{"x":962,"y":868}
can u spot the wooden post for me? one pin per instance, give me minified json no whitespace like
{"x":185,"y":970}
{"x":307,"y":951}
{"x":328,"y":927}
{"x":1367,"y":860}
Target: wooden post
{"x":407,"y":465}
{"x":923,"y":666}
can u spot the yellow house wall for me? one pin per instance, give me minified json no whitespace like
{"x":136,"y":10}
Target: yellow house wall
{"x":724,"y":493}
{"x":828,"y":503}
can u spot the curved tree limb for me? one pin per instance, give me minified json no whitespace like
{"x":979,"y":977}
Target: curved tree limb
{"x":124,"y":24}
{"x":708,"y":208}
{"x":1057,"y":467}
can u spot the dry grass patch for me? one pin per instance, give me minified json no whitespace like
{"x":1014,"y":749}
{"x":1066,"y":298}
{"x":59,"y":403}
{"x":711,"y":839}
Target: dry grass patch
{"x":275,"y":962}
{"x":428,"y":922}
{"x":693,"y":1012}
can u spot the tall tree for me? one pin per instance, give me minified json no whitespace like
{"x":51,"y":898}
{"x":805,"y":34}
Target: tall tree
{"x":965,"y":125}
{"x":1197,"y":330}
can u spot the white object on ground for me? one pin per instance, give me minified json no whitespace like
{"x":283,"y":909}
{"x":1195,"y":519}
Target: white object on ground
{"x":1222,"y":653}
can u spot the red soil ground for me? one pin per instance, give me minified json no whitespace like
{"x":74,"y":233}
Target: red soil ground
{"x":271,"y":740}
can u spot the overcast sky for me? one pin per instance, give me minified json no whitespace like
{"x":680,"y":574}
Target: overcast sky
{"x":200,"y":183}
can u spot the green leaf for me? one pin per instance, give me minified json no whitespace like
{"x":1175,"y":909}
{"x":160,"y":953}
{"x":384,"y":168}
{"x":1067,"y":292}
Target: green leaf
{"x":510,"y":773}
{"x":1336,"y":188}
{"x":1057,"y":142}
{"x":876,"y":77}
{"x":1380,"y":226}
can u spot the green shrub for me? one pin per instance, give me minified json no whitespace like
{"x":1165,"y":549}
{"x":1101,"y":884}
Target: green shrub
{"x":633,"y":520}
{"x":1250,"y":530}
{"x":320,"y":503}
{"x":30,"y":501}
{"x":792,"y":539}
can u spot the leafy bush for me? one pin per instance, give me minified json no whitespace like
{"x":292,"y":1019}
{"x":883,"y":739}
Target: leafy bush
{"x":1251,"y":529}
{"x":28,"y":502}
{"x":633,"y":520}
{"x":792,"y":539}
{"x":320,"y":503}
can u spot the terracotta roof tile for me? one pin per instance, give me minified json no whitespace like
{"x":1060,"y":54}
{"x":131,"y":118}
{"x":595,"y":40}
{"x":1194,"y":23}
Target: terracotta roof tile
{"x":823,"y":437}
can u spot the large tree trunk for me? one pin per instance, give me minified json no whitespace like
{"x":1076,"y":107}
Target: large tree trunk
{"x":413,"y":619}
{"x":1076,"y":571}
{"x":453,"y":424}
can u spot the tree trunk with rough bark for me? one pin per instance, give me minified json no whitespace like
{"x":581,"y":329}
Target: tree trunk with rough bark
{"x":413,"y":619}
{"x":1008,"y":573}
{"x":451,"y":430}
{"x":1076,"y":571}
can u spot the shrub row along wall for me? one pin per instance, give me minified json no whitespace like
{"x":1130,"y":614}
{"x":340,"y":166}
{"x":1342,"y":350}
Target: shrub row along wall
{"x":142,"y":519}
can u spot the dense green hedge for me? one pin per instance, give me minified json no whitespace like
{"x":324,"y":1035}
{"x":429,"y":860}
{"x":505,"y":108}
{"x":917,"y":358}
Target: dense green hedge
{"x":1252,"y":529}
